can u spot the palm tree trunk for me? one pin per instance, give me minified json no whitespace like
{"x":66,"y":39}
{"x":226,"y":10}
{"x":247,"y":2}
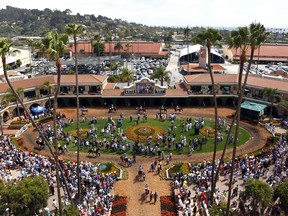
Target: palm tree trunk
{"x":18,"y":109}
{"x":224,"y":150}
{"x":98,"y":51}
{"x":238,"y":111}
{"x":271,"y":109}
{"x":56,"y":136}
{"x":216,"y":125}
{"x":110,"y":57}
{"x":78,"y":121}
{"x":36,"y":127}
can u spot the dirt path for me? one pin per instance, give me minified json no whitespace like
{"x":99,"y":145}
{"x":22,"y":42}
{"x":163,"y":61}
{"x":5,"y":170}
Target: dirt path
{"x":133,"y":189}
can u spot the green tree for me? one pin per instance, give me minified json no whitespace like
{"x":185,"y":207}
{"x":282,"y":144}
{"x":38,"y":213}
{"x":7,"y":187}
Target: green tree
{"x":219,"y":210}
{"x":70,"y":210}
{"x":161,"y":74}
{"x":209,"y":38}
{"x":271,"y":94}
{"x":243,"y":38}
{"x":281,"y":192}
{"x":49,"y":88}
{"x":75,"y":30}
{"x":26,"y":198}
{"x":127,"y":75}
{"x":259,"y":192}
{"x":11,"y":97}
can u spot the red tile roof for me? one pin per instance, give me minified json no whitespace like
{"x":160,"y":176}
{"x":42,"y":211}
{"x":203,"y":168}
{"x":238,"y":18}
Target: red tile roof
{"x":110,"y":86}
{"x":196,"y":68}
{"x":261,"y":82}
{"x":112,"y":92}
{"x":253,"y":81}
{"x":136,"y":47}
{"x":83,"y":79}
{"x":175,"y":92}
{"x":65,"y":80}
{"x":28,"y":83}
{"x":205,"y":78}
{"x":267,"y":52}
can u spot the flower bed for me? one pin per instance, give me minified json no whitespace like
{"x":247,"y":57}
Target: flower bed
{"x":142,"y":132}
{"x":208,"y":132}
{"x":168,"y":206}
{"x":177,"y":168}
{"x":83,"y":132}
{"x":119,"y":206}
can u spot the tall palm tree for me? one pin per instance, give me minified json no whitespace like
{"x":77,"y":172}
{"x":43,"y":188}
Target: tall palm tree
{"x":11,"y":97}
{"x":5,"y":48}
{"x":127,"y":46}
{"x":49,"y":88}
{"x":97,"y":38}
{"x":109,"y":40}
{"x":56,"y":48}
{"x":161,"y":74}
{"x":75,"y":30}
{"x":243,"y":38}
{"x":31,"y":45}
{"x":186,"y":32}
{"x":271,"y":94}
{"x":127,"y":75}
{"x":208,"y":38}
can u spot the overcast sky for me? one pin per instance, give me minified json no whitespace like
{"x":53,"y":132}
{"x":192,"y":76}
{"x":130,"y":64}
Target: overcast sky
{"x":228,"y":13}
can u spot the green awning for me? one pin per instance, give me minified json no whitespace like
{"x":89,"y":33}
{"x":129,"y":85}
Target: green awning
{"x":253,"y":106}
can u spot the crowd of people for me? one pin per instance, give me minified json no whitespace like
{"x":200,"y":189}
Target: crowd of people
{"x":194,"y":188}
{"x":96,"y":188}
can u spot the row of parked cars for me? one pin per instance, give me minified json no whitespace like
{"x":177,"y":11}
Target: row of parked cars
{"x":145,"y":67}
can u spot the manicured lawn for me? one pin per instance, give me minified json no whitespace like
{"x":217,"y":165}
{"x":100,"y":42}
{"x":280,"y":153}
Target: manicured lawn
{"x":244,"y":135}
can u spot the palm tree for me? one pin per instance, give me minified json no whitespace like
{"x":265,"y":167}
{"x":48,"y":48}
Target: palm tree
{"x":271,"y":94}
{"x":56,"y":46}
{"x":11,"y":97}
{"x":49,"y":88}
{"x":127,"y":46}
{"x":75,"y":30}
{"x":5,"y":48}
{"x":30,"y":44}
{"x":208,"y":38}
{"x":161,"y":74}
{"x":127,"y":75}
{"x":243,"y":38}
{"x":118,"y":46}
{"x":187,"y":31}
{"x":109,"y":40}
{"x":97,"y":38}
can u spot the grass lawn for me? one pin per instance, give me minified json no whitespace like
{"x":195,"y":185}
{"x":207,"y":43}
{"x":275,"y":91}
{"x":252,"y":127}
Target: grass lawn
{"x":244,"y":135}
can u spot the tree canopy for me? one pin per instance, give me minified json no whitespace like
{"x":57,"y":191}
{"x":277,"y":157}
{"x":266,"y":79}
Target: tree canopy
{"x":26,"y":198}
{"x":281,"y":191}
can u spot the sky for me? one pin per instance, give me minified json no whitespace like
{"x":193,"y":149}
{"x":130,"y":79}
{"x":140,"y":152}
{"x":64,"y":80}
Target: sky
{"x":182,"y":13}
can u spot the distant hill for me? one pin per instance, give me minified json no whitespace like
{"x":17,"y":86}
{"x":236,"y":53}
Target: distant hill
{"x":25,"y":22}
